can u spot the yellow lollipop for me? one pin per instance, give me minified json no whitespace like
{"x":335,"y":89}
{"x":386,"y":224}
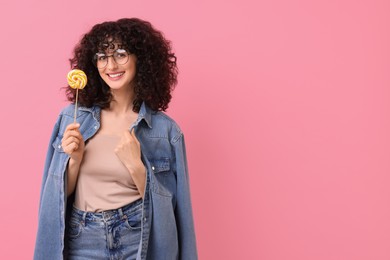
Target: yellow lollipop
{"x":76,"y":80}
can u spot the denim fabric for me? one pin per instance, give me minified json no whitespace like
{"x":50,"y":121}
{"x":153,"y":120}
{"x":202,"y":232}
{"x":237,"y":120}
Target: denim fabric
{"x":167,"y":229}
{"x":112,"y":234}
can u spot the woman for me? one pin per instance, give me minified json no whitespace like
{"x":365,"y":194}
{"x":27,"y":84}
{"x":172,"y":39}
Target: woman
{"x":115,"y":183}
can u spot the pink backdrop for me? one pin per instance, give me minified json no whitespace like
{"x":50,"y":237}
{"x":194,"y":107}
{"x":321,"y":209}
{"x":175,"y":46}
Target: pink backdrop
{"x":285,"y":107}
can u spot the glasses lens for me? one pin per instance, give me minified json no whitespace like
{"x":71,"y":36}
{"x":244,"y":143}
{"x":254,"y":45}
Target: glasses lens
{"x":121,"y":56}
{"x":101,"y":60}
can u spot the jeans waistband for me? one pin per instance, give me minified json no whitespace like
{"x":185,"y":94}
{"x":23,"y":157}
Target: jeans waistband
{"x":107,"y":215}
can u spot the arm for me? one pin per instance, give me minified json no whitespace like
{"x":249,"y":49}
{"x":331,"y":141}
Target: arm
{"x":72,"y":174}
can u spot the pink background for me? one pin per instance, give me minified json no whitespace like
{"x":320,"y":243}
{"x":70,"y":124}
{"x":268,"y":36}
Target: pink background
{"x":285,"y":107}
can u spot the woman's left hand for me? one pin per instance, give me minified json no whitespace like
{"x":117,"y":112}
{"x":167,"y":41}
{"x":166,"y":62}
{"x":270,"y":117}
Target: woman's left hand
{"x":129,"y":152}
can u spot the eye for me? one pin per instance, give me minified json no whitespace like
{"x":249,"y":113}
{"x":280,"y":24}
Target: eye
{"x":101,"y":57}
{"x":120,"y":53}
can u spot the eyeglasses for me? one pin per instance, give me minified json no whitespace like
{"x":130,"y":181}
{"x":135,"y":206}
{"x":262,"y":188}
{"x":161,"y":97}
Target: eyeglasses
{"x":120,"y":56}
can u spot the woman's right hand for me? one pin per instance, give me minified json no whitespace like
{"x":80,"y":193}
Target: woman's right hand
{"x":73,"y":142}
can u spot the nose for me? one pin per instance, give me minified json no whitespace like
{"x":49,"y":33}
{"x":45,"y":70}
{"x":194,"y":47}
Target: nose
{"x":111,"y":64}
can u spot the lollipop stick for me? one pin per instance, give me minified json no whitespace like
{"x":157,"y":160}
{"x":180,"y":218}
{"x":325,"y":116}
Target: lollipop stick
{"x":75,"y":107}
{"x":76,"y":80}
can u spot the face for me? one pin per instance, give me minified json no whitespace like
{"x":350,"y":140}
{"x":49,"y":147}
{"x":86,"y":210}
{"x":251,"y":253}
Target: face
{"x":116,"y":67}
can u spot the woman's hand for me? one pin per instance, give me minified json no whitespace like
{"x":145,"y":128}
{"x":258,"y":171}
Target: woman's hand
{"x":73,"y":142}
{"x":129,"y":152}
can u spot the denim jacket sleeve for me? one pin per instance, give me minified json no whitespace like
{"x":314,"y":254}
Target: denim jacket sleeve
{"x":49,"y":156}
{"x":172,"y":226}
{"x":183,"y":211}
{"x":48,"y":245}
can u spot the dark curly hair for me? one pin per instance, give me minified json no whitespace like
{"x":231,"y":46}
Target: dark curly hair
{"x":156,"y":70}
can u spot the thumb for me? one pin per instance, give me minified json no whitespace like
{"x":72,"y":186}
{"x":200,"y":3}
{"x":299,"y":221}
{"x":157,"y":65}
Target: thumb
{"x":133,"y":134}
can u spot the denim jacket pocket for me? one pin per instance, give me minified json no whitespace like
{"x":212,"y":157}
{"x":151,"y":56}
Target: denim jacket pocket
{"x":57,"y":145}
{"x":59,"y":160}
{"x":164,"y":181}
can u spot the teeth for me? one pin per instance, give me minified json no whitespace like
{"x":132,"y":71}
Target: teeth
{"x":115,"y":75}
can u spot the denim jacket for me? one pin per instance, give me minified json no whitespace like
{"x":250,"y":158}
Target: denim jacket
{"x":167,"y":222}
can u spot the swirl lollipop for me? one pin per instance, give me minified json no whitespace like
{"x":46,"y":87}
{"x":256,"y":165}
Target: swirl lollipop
{"x":76,"y":80}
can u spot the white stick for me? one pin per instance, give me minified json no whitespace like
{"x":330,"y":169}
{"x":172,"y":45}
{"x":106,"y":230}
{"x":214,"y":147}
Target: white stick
{"x":75,"y":107}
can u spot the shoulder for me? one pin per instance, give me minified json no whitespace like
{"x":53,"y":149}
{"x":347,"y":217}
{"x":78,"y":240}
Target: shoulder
{"x":67,"y":110}
{"x":85,"y":116}
{"x":161,"y":118}
{"x":163,"y":123}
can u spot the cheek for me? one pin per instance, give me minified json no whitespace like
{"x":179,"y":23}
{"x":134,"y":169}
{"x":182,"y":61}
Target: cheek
{"x":132,"y":63}
{"x":101,"y":73}
{"x":103,"y":76}
{"x":134,"y":68}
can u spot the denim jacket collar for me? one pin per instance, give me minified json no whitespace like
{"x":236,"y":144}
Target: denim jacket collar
{"x":145,"y":113}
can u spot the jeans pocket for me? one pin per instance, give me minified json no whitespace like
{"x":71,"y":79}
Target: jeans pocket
{"x":75,"y":228}
{"x":133,"y":220}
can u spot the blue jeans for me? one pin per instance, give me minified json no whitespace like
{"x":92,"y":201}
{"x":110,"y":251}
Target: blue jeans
{"x":112,"y":234}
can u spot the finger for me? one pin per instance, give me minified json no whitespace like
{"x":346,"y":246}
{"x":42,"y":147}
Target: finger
{"x":69,"y":144}
{"x":69,"y":149}
{"x":66,"y":134}
{"x":127,"y":134}
{"x":72,"y":126}
{"x":71,"y":129}
{"x":74,"y":147}
{"x":133,"y":135}
{"x":126,"y":137}
{"x":71,"y":137}
{"x":72,"y":133}
{"x":75,"y":134}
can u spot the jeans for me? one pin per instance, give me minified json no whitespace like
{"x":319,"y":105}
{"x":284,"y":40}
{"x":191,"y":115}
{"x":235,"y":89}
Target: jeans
{"x":112,"y":234}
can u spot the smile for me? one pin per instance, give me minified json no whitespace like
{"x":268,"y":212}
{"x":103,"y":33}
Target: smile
{"x":116,"y":75}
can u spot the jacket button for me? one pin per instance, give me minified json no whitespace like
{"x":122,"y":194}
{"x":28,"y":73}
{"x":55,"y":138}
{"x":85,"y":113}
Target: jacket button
{"x":153,"y":168}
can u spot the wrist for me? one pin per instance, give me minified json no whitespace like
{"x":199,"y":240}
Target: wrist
{"x":137,"y":169}
{"x":75,"y":162}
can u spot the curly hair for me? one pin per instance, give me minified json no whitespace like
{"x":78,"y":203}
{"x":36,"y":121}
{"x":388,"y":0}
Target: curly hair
{"x":156,"y":69}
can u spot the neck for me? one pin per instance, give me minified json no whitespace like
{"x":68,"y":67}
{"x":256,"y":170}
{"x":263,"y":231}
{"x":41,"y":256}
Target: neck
{"x":122,"y":101}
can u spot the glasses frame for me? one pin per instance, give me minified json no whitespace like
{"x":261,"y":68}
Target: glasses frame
{"x":96,"y":56}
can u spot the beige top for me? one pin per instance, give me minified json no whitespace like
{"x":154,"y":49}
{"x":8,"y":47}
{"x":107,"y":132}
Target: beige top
{"x":104,"y":182}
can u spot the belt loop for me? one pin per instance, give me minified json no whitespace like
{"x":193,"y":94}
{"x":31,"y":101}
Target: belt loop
{"x":120,"y":211}
{"x":84,"y":217}
{"x":105,"y":217}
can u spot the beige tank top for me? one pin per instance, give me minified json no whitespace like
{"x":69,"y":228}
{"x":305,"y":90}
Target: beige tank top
{"x":104,"y":182}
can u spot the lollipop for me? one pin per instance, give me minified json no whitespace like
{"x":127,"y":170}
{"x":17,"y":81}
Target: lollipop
{"x":77,"y":80}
